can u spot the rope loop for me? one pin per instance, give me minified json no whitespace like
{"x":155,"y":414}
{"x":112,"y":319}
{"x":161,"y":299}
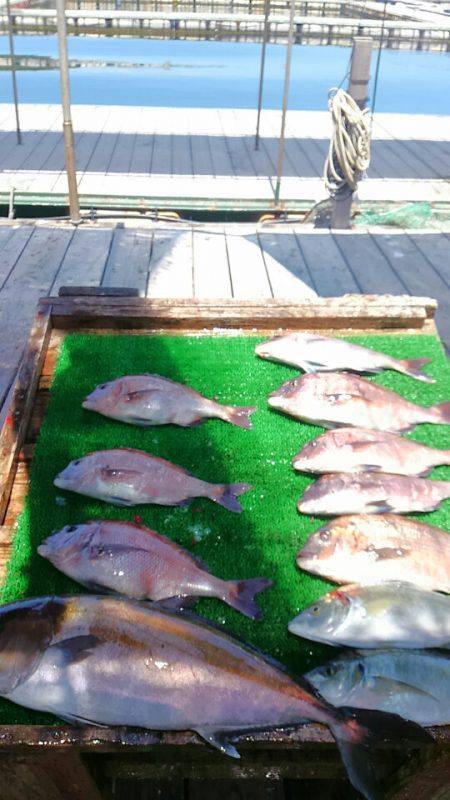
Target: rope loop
{"x":349,"y":152}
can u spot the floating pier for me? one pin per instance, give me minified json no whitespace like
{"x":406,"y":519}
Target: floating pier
{"x":395,"y":34}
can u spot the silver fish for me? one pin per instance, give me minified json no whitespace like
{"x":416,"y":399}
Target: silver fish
{"x":337,"y":399}
{"x":366,"y":450}
{"x":111,"y":661}
{"x":137,"y":562}
{"x":374,"y":548}
{"x":412,"y":683}
{"x":372,"y":493}
{"x":391,"y":614}
{"x":311,"y":352}
{"x":154,"y":400}
{"x":128,"y":477}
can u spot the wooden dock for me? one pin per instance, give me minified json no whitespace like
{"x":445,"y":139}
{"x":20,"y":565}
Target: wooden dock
{"x":245,"y":262}
{"x":183,"y":158}
{"x":393,"y":33}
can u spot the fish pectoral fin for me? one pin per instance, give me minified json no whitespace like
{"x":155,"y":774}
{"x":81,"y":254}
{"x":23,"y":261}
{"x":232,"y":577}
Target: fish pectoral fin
{"x":385,"y":553}
{"x":139,"y":395}
{"x":392,"y":687}
{"x":112,"y":473}
{"x":371,"y":467}
{"x":77,"y":648}
{"x":218,"y":740}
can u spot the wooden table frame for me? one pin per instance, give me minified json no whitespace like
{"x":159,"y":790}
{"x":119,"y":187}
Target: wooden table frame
{"x":60,"y":761}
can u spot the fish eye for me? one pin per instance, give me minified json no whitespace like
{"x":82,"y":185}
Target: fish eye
{"x":102,"y":386}
{"x":75,"y":463}
{"x":324,"y":536}
{"x":330,"y":670}
{"x":71,"y":528}
{"x":315,"y":609}
{"x":360,"y":670}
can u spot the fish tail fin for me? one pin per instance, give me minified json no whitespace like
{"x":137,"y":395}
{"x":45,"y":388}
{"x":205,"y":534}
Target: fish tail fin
{"x":357,"y":732}
{"x":441,"y":412}
{"x":241,"y":595}
{"x":412,"y":367}
{"x":240,"y":415}
{"x":225,"y":495}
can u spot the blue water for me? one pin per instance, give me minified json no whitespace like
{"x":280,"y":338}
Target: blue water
{"x":225,"y":75}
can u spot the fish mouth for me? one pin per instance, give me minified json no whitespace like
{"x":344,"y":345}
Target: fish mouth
{"x":307,"y":553}
{"x":61,"y":482}
{"x":43,"y":549}
{"x":261,"y":350}
{"x":88,"y":403}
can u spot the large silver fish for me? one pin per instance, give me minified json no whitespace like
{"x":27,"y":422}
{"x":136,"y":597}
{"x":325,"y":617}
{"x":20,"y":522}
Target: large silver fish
{"x":154,"y":400}
{"x":374,"y":548}
{"x":366,"y":450}
{"x":314,"y":353}
{"x":372,"y":493}
{"x":134,"y":561}
{"x":412,"y":683}
{"x":111,"y":661}
{"x":128,"y":477}
{"x":391,"y":614}
{"x":336,"y":399}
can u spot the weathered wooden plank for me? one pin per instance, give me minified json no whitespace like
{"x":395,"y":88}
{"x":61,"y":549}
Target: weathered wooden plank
{"x":415,"y":271}
{"x":47,"y":776}
{"x":286,"y":268}
{"x":31,"y":277}
{"x":211,"y":269}
{"x":13,"y":248}
{"x":237,"y":790}
{"x":129,"y":258}
{"x":426,"y":775}
{"x":247,"y":268}
{"x":123,"y":789}
{"x":85,"y":258}
{"x":329,"y":271}
{"x":6,"y":231}
{"x":171,"y":266}
{"x":369,"y":266}
{"x":435,"y":248}
{"x":19,"y":412}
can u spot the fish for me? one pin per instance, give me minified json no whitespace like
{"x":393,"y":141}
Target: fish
{"x":412,"y":683}
{"x":155,"y":400}
{"x":372,"y":493}
{"x":374,"y":548}
{"x":312,"y":352}
{"x":112,"y":661}
{"x":393,"y":614}
{"x":366,"y":450}
{"x":338,"y":399}
{"x":135,"y":561}
{"x":127,"y":477}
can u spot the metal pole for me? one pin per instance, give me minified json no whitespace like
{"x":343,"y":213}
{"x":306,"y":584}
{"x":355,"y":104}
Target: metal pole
{"x":358,"y":88}
{"x":287,"y":77}
{"x":261,"y":71}
{"x":67,"y":119}
{"x":13,"y":71}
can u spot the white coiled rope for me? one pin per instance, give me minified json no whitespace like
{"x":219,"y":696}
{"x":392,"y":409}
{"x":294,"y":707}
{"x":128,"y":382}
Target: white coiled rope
{"x":349,"y":153}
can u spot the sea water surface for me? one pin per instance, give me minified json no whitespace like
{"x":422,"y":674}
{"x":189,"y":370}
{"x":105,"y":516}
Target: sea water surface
{"x":223,"y":74}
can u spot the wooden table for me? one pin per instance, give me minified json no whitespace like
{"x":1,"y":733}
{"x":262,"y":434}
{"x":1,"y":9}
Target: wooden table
{"x":67,"y":763}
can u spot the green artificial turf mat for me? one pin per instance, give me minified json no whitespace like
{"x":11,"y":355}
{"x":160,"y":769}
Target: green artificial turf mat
{"x":265,"y":538}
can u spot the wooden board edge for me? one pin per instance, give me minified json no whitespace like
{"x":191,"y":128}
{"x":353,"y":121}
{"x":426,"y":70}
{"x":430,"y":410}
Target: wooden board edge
{"x":100,"y":739}
{"x":20,"y":407}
